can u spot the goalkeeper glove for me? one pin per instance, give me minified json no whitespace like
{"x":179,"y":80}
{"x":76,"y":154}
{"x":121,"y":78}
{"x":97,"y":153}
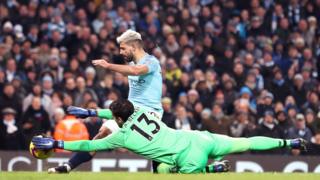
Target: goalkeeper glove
{"x":46,"y":143}
{"x":81,"y":112}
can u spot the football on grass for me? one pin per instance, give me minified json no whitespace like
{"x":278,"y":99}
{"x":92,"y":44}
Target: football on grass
{"x":39,"y":154}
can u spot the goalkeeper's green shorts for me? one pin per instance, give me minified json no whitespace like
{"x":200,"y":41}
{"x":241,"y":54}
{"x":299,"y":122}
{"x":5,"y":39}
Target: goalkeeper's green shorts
{"x":194,"y":159}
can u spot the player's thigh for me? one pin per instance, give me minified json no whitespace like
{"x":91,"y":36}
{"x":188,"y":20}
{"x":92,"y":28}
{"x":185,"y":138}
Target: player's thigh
{"x":226,"y":145}
{"x":222,"y":145}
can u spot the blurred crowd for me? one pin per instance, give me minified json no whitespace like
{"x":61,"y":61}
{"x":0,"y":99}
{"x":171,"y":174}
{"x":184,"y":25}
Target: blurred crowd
{"x":236,"y":67}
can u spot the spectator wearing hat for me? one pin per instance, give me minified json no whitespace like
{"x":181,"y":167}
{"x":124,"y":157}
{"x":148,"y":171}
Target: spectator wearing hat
{"x":300,"y":129}
{"x":168,"y":116}
{"x":11,"y":136}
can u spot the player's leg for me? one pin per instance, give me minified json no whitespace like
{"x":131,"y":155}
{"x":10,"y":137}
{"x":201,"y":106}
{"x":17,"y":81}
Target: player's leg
{"x":79,"y":157}
{"x":227,"y":145}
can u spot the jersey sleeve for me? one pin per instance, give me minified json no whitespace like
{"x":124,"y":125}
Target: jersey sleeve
{"x":105,"y":113}
{"x":152,"y":66}
{"x":115,"y":140}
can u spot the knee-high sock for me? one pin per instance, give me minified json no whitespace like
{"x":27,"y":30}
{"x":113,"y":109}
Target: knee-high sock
{"x":79,"y":158}
{"x":258,"y":143}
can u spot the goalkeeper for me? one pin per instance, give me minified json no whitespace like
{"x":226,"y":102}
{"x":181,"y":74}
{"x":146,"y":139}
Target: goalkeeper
{"x":143,"y":133}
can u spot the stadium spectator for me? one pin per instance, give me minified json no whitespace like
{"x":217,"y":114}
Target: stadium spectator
{"x":35,"y":120}
{"x":269,"y":128}
{"x":10,"y":131}
{"x":300,"y":129}
{"x":10,"y":99}
{"x":168,"y":117}
{"x":37,"y":91}
{"x":183,"y":121}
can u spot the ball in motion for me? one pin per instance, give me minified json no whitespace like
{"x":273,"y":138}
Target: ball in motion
{"x":40,"y":154}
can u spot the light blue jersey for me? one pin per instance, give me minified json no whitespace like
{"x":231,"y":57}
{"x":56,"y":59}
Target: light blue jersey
{"x":146,"y":90}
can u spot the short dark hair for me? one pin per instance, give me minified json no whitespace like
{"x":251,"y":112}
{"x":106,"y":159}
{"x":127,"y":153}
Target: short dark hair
{"x":122,"y":108}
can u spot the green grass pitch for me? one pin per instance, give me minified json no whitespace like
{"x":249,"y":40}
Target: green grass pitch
{"x":150,"y":176}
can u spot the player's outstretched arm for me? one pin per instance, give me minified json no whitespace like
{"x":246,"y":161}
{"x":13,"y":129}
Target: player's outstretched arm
{"x":84,"y":113}
{"x":48,"y":143}
{"x":123,"y":69}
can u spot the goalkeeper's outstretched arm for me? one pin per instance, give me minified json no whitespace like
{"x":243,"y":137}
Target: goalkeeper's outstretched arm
{"x":112,"y":141}
{"x":84,"y":113}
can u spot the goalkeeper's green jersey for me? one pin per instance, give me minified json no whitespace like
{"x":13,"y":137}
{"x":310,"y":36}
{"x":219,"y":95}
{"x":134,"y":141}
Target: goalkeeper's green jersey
{"x":145,"y":134}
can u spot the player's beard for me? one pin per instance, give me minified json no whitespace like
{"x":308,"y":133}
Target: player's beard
{"x":129,"y":58}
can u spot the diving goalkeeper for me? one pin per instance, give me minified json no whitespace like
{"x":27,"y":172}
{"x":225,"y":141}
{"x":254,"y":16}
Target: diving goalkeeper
{"x":142,"y":132}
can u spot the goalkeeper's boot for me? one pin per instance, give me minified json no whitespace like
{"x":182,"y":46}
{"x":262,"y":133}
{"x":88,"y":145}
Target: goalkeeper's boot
{"x":298,"y":143}
{"x":64,"y":168}
{"x":218,"y":167}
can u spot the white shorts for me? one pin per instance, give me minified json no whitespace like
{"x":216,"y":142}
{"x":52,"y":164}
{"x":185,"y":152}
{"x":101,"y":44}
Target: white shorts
{"x":112,"y":125}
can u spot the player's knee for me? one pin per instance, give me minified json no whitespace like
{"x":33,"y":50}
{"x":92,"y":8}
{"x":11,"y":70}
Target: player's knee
{"x":103,"y":132}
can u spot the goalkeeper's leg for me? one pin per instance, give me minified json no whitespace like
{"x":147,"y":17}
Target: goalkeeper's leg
{"x":80,"y":157}
{"x":226,"y":145}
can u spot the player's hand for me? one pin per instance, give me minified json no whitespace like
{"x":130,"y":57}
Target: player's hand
{"x":101,"y":62}
{"x":81,"y":112}
{"x":46,"y":143}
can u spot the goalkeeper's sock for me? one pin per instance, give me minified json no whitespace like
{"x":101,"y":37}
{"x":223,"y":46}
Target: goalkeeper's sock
{"x":266,"y":143}
{"x":79,"y":158}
